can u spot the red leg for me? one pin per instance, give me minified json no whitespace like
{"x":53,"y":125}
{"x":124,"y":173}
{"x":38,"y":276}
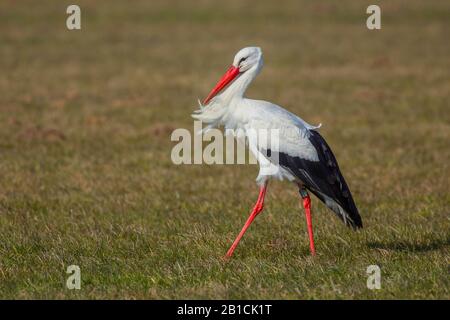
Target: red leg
{"x":256,"y":210}
{"x":307,"y":206}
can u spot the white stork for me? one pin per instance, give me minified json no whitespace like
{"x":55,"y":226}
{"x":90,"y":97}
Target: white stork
{"x":301,"y":155}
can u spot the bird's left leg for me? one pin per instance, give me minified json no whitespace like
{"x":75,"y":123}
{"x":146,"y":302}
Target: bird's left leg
{"x":307,"y":205}
{"x":256,"y":210}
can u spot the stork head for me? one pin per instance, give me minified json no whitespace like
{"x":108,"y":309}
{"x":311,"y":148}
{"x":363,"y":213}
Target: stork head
{"x":247,"y":60}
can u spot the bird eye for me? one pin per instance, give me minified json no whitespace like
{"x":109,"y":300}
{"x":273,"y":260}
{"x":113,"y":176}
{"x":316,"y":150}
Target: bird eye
{"x":242,"y":60}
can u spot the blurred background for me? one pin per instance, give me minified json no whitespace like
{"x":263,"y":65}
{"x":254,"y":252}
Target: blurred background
{"x":86,"y":176}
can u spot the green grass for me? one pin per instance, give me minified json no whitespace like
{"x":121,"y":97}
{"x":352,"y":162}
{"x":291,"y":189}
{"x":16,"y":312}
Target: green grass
{"x":85,"y":170}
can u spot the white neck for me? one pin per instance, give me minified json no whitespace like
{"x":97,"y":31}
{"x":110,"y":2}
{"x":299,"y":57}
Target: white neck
{"x":239,"y":86}
{"x":214,"y":112}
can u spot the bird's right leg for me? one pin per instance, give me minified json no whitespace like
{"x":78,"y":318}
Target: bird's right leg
{"x":256,"y":210}
{"x":307,"y":206}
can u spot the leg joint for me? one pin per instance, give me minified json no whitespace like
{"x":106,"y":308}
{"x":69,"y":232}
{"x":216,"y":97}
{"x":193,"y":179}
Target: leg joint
{"x":303,"y":192}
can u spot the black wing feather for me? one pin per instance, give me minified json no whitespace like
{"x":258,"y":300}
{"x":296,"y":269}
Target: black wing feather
{"x":324,"y":179}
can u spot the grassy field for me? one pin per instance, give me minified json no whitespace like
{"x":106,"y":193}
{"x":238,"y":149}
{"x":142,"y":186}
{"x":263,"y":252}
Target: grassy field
{"x":86,"y":176}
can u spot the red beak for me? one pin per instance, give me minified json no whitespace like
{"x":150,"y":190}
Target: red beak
{"x":231,"y":73}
